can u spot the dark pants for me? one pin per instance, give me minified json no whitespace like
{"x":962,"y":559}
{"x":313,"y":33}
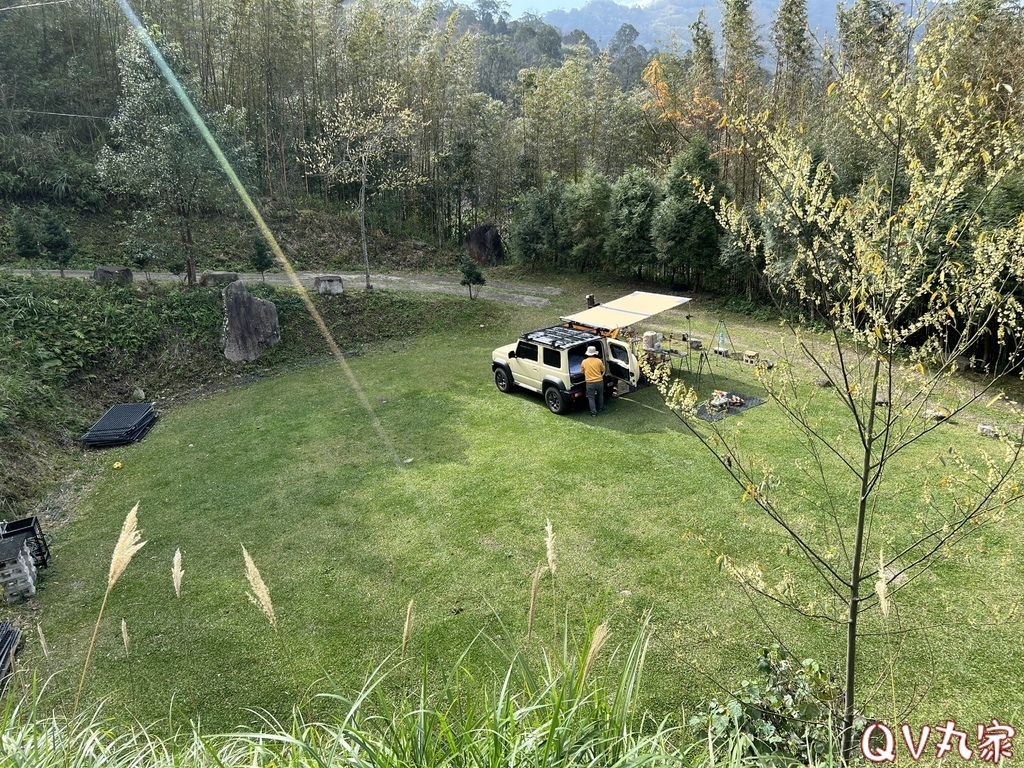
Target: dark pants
{"x":595,"y":390}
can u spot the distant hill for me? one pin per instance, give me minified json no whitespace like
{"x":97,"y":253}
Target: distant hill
{"x":664,"y":24}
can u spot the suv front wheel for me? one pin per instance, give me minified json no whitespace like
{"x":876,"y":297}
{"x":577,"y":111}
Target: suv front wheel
{"x":502,"y":379}
{"x":555,"y":400}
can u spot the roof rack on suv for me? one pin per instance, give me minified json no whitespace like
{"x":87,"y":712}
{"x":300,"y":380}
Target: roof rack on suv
{"x":560,"y":337}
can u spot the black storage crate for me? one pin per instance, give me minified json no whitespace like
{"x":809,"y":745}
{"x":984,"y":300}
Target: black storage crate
{"x":31,"y":531}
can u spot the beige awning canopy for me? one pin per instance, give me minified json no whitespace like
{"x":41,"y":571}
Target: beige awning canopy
{"x":624,"y":312}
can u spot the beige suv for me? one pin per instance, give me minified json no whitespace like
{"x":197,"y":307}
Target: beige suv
{"x":548,"y":362}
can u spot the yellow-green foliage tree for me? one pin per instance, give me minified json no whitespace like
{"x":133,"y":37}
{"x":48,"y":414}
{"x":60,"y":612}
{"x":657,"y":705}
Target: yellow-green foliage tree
{"x":362,"y":141}
{"x":910,"y":285}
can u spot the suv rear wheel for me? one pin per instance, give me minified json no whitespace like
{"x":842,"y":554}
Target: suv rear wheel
{"x":555,"y":400}
{"x":502,"y":379}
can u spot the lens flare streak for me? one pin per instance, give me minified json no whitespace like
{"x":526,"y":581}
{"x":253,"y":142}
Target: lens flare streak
{"x":211,"y":142}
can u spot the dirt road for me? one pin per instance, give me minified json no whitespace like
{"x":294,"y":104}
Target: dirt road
{"x":514,"y":293}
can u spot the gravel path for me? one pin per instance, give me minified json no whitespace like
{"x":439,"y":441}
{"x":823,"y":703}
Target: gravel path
{"x":514,"y":293}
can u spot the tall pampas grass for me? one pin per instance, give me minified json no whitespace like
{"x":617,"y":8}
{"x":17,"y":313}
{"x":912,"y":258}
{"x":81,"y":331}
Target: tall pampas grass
{"x":177,"y":573}
{"x":43,"y":644}
{"x":260,"y":595}
{"x":128,"y":543}
{"x":407,"y":630}
{"x":549,"y":542}
{"x":596,"y":644}
{"x":128,"y":656}
{"x":534,"y":589}
{"x":882,"y":586}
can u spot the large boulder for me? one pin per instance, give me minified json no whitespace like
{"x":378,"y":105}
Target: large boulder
{"x":112,"y":275}
{"x":250,"y":324}
{"x":484,"y":246}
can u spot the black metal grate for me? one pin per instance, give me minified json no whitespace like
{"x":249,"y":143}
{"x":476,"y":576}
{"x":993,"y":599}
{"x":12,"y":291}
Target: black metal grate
{"x":122,"y":424}
{"x":9,"y":638}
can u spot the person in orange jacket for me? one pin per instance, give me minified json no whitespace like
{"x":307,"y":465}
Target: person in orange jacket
{"x":593,"y":372}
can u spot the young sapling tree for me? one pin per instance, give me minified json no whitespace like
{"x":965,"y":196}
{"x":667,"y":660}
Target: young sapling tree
{"x":909,"y":284}
{"x":471,"y":274}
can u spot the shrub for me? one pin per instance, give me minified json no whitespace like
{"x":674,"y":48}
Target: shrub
{"x":792,"y":711}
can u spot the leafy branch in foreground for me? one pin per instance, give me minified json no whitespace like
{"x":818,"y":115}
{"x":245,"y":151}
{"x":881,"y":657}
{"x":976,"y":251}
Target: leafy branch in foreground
{"x":910,"y":285}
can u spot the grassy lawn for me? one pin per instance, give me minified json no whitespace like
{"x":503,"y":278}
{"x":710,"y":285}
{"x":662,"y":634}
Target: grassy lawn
{"x":449,"y":510}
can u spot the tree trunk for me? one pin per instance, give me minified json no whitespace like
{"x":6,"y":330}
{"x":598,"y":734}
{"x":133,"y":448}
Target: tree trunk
{"x":190,"y":259}
{"x":362,"y":218}
{"x":866,"y":485}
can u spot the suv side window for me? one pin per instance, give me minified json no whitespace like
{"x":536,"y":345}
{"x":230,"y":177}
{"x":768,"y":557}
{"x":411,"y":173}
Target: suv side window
{"x":526,"y":351}
{"x":620,"y":353}
{"x":552,"y":358}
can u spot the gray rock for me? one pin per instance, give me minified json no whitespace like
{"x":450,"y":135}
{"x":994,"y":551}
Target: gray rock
{"x":138,"y":395}
{"x":330,"y":285}
{"x":250,"y":324}
{"x":112,"y":275}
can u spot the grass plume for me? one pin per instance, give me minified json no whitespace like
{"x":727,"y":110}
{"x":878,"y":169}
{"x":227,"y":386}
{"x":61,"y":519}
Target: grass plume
{"x":596,"y":644}
{"x":408,"y":627}
{"x":128,"y":543}
{"x":260,"y":595}
{"x":43,"y":644}
{"x":550,"y":543}
{"x":177,"y":573}
{"x":882,"y":586}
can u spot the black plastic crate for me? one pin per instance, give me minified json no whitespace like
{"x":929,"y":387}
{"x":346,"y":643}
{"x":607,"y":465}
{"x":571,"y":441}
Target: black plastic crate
{"x":31,"y":531}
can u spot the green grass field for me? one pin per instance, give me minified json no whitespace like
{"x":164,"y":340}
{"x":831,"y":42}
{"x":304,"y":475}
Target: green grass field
{"x":441,"y":496}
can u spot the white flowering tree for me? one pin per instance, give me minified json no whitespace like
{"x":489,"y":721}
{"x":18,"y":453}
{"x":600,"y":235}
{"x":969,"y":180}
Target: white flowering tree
{"x":910,"y":285}
{"x":364,"y":140}
{"x":156,"y":158}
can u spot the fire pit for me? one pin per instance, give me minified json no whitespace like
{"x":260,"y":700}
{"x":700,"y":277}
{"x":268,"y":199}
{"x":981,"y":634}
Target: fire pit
{"x":722,"y":404}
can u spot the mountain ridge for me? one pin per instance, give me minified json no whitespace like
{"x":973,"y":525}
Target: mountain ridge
{"x":664,"y":24}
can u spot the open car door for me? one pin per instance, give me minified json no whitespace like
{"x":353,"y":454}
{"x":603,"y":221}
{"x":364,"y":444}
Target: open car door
{"x":621,"y":362}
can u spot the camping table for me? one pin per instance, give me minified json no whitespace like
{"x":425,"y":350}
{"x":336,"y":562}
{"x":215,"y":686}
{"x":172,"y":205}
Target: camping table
{"x":676,"y":357}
